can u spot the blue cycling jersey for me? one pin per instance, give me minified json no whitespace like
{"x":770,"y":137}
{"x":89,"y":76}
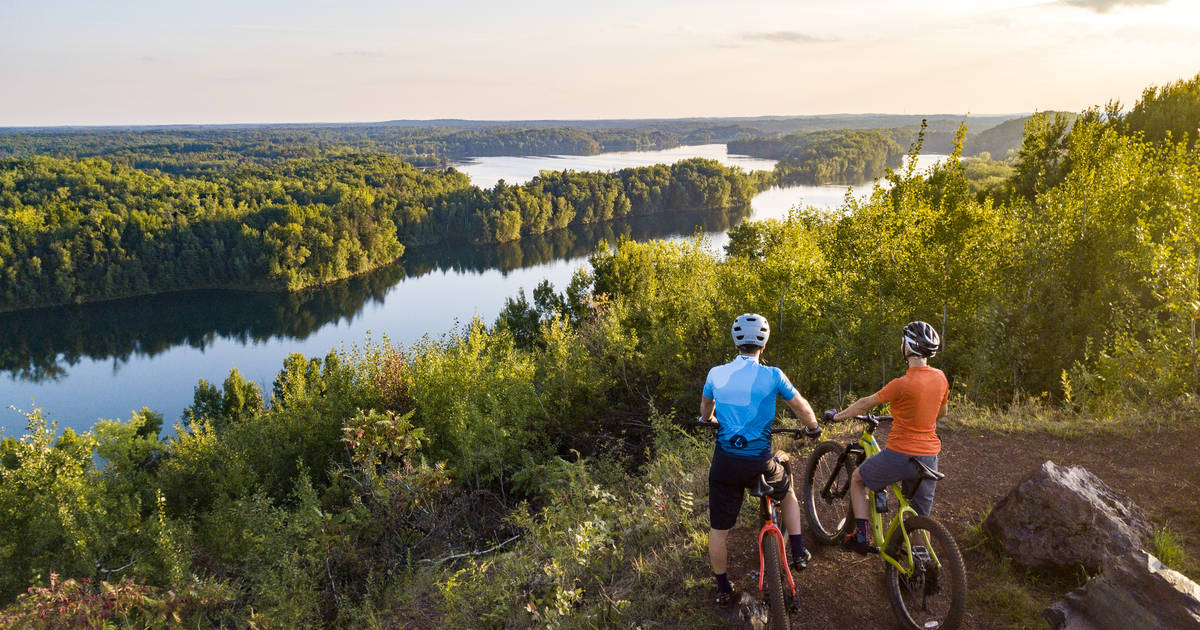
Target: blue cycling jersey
{"x":745,"y":392}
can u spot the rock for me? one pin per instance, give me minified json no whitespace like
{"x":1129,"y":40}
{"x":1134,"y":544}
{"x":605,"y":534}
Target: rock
{"x":1134,"y":591}
{"x":1065,"y":517}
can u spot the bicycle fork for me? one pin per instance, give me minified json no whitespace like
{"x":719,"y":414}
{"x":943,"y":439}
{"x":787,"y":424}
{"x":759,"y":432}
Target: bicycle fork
{"x":769,"y":527}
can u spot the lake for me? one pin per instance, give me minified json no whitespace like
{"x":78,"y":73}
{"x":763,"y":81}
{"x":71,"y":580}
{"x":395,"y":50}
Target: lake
{"x":105,"y":360}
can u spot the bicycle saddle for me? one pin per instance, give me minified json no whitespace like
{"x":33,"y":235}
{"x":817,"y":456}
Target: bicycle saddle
{"x":925,"y":471}
{"x":762,"y":488}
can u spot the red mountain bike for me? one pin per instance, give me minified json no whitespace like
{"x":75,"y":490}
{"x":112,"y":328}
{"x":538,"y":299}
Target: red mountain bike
{"x":773,"y":571}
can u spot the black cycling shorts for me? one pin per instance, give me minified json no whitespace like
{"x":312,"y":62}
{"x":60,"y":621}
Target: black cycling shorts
{"x":728,"y":479}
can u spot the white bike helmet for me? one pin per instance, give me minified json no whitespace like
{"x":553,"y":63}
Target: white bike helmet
{"x":921,"y":339}
{"x":751,"y":329}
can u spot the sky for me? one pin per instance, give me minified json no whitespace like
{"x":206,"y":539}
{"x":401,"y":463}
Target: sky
{"x":118,"y":62}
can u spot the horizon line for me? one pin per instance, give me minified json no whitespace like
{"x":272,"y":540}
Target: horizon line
{"x":402,"y":121}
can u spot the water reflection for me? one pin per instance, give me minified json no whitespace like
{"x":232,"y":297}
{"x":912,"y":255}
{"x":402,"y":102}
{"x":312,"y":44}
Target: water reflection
{"x":41,"y":345}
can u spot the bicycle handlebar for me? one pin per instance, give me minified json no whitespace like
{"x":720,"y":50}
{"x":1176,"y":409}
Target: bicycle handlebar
{"x":828,"y":417}
{"x":796,"y":433}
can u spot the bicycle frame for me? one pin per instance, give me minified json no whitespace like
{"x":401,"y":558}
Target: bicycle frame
{"x":767,"y":512}
{"x":905,"y":565}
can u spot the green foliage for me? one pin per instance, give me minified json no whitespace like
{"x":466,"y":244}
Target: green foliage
{"x":1043,"y":159}
{"x":477,"y":401}
{"x":1167,"y":113}
{"x":1004,"y":140}
{"x":1170,"y":551}
{"x":56,"y":516}
{"x":375,"y":437}
{"x":81,"y":230}
{"x":985,"y":174}
{"x":610,"y":550}
{"x":822,"y":157}
{"x":527,"y":474}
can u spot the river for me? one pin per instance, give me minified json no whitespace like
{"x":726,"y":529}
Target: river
{"x":105,"y":360}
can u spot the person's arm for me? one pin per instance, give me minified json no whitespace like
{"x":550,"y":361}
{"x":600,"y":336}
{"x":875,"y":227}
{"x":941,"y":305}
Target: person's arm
{"x":803,"y":411}
{"x":944,"y":411}
{"x":860,"y":406}
{"x":707,"y":406}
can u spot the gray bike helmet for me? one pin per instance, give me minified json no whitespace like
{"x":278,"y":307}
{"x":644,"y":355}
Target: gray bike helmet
{"x":750,"y":329}
{"x":921,"y":339}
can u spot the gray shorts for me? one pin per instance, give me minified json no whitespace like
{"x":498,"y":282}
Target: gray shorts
{"x":890,"y":466}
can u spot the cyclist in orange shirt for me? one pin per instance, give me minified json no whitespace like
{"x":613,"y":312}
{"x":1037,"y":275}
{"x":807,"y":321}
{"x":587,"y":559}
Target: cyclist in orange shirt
{"x":918,"y":399}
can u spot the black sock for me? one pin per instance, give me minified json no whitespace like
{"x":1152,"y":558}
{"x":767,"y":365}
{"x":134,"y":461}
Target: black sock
{"x":797,"y":541}
{"x":860,"y":528}
{"x":723,"y":585}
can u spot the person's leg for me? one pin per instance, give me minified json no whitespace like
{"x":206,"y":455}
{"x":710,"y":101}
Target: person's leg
{"x":717,"y":553}
{"x":791,"y":519}
{"x":791,"y":513}
{"x":858,"y":496}
{"x":874,"y":474}
{"x":923,"y":499}
{"x":859,"y":540}
{"x":724,"y":503}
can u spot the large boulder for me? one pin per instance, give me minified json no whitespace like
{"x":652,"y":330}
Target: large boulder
{"x":1064,"y":517}
{"x":1134,"y":591}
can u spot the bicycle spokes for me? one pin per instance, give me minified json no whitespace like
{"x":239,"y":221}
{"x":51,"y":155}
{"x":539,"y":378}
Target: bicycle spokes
{"x":928,"y":584}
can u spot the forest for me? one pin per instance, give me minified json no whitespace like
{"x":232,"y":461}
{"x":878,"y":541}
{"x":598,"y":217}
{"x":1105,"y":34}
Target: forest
{"x":89,"y":215}
{"x":826,"y":157}
{"x":526,"y":472}
{"x":77,"y":230}
{"x":196,"y":150}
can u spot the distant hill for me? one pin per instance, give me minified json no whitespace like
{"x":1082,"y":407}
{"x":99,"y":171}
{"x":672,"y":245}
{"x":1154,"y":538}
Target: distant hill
{"x":718,"y":129}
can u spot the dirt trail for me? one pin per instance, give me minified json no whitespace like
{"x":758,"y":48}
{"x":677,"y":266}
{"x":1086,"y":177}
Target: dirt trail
{"x":1158,"y":469}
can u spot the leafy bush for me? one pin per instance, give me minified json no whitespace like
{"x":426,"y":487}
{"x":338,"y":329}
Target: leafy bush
{"x":76,"y":604}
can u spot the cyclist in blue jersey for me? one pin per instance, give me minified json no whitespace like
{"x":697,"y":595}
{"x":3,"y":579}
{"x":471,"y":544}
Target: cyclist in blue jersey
{"x":740,"y":396}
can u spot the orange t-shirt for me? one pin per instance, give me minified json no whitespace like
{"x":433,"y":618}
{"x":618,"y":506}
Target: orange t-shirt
{"x":916,"y":399}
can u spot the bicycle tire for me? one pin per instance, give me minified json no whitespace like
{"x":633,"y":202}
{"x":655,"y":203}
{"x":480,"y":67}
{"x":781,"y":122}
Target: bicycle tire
{"x":905,"y":592}
{"x":827,"y":520}
{"x":773,"y":576}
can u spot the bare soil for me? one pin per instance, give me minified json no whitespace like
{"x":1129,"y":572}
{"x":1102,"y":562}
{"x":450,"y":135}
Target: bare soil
{"x":1159,"y":469}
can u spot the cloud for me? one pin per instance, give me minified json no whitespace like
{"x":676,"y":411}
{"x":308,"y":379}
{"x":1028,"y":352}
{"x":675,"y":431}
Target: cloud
{"x":1103,"y":6}
{"x":360,"y":53}
{"x":148,"y":59}
{"x":786,"y":37}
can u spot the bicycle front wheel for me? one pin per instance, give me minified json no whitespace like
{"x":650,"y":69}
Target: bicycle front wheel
{"x":827,"y":494}
{"x":934,"y":594}
{"x":774,"y":584}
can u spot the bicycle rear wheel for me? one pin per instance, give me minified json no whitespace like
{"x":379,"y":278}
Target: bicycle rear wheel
{"x":828,"y":515}
{"x":774,"y":585}
{"x":934,"y":594}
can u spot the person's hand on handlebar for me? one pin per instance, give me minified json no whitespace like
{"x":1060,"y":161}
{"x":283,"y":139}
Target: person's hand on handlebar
{"x":860,"y":406}
{"x":829,"y":414}
{"x":812,"y":432}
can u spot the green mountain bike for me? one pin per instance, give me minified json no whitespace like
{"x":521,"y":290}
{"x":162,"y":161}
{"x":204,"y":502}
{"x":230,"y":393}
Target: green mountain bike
{"x":927,"y":583}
